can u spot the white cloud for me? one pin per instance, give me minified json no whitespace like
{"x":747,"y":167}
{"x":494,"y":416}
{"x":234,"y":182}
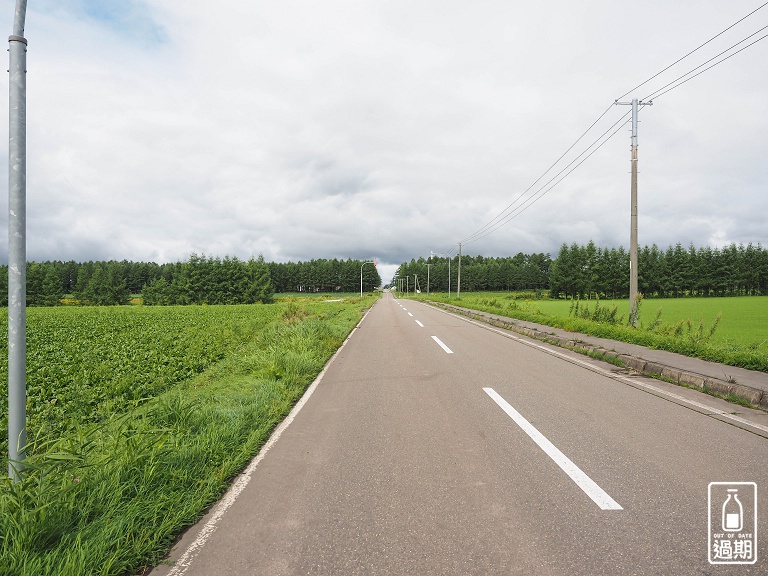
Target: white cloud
{"x":356,"y":129}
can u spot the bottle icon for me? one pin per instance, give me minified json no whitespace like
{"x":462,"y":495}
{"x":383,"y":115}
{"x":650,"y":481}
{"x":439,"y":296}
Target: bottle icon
{"x":733,"y":512}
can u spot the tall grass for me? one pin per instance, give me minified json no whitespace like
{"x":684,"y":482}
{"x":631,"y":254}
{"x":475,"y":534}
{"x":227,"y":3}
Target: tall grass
{"x":109,"y":497}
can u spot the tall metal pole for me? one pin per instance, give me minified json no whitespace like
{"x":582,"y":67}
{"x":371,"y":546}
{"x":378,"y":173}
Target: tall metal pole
{"x":458,"y":280}
{"x":428,"y":265}
{"x":17,"y":245}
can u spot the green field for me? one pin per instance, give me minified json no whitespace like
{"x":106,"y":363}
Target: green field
{"x":740,"y":337}
{"x":744,"y":319}
{"x":139,"y":417}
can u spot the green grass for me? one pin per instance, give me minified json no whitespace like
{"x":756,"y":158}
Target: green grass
{"x":744,"y":319}
{"x":107,"y":496}
{"x":739,"y":337}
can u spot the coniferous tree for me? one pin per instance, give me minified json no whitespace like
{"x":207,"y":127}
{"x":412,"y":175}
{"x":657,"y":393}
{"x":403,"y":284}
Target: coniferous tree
{"x":52,"y":290}
{"x":259,"y":282}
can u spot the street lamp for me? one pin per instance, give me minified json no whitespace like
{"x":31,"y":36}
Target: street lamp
{"x":449,"y":268}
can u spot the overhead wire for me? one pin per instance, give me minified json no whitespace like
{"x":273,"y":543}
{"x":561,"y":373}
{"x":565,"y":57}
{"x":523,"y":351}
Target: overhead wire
{"x":508,"y":213}
{"x":501,"y":214}
{"x":661,"y":90}
{"x":543,"y":191}
{"x":692,"y":51}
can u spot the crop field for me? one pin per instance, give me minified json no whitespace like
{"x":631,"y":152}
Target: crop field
{"x":685,"y":325}
{"x":85,"y":363}
{"x":138,"y":418}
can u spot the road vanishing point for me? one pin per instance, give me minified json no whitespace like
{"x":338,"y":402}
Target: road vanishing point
{"x":435,"y":445}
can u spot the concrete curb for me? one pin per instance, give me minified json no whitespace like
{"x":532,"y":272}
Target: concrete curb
{"x":754,"y":396}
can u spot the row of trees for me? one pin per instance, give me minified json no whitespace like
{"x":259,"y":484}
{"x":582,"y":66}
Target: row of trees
{"x":578,"y":271}
{"x":521,"y":272}
{"x":324,"y":276}
{"x":198,"y":280}
{"x":98,"y":283}
{"x":735,"y":270}
{"x":206,"y":280}
{"x":586,"y":271}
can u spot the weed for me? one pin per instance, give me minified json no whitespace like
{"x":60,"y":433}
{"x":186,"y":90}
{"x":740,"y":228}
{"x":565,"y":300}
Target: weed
{"x":294,"y":313}
{"x":600,"y":314}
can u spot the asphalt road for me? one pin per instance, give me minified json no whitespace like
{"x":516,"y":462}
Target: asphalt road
{"x":433,"y":445}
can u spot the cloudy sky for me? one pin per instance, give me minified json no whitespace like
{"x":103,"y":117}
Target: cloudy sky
{"x":385,"y":128}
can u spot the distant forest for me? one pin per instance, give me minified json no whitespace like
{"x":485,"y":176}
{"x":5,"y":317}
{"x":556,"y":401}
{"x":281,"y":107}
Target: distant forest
{"x":198,"y":280}
{"x":577,"y":272}
{"x":588,"y":271}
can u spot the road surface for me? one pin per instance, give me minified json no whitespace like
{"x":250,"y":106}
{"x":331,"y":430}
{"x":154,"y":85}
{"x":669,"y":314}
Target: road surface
{"x":434,"y":445}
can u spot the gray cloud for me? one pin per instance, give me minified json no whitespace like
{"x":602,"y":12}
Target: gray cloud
{"x":347,"y":129}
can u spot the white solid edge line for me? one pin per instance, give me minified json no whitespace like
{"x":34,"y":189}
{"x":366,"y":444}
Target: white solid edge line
{"x":443,"y":346}
{"x":589,"y":486}
{"x":181,"y":565}
{"x":661,"y":393}
{"x":419,"y":323}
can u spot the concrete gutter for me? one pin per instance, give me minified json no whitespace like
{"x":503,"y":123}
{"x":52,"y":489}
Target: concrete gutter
{"x":683,"y":370}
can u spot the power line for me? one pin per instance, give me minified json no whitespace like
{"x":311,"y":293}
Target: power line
{"x":692,"y":51}
{"x":533,"y":199}
{"x":501,"y":214}
{"x":513,"y":210}
{"x":659,"y":92}
{"x":504,"y":218}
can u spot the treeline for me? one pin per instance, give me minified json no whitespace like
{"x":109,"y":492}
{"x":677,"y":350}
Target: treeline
{"x":206,"y":280}
{"x":198,"y":280}
{"x":521,"y":272}
{"x":324,"y":276}
{"x":94,"y":283}
{"x":588,"y":271}
{"x":735,"y":270}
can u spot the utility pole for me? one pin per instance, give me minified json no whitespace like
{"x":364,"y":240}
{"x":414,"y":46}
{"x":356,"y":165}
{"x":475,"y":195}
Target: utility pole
{"x":458,"y":280}
{"x":633,"y":214}
{"x":428,"y":265}
{"x":17,"y":245}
